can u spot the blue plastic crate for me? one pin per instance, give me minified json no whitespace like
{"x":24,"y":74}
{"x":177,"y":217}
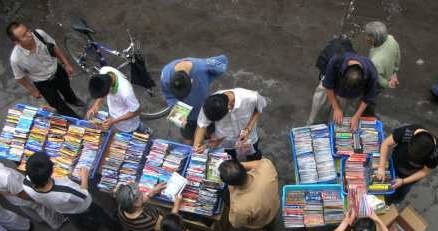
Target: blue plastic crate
{"x":332,"y":126}
{"x":391,"y":169}
{"x":172,"y":145}
{"x":393,"y":176}
{"x":310,"y":187}
{"x":379,"y":127}
{"x":43,"y":112}
{"x":103,"y":146}
{"x":40,"y":111}
{"x":183,"y":170}
{"x":82,"y":123}
{"x":295,"y":162}
{"x":219,"y":204}
{"x":71,"y":120}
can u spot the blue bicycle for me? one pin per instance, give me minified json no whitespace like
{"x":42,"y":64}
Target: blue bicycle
{"x":90,"y":56}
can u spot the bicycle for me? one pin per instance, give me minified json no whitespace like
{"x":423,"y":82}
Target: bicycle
{"x":90,"y":56}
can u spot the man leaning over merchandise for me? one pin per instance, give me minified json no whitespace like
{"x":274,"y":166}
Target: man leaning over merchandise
{"x":235,"y":113}
{"x":123,"y":105}
{"x":11,"y":187}
{"x":254,"y":196}
{"x":63,"y":195}
{"x":189,"y":80}
{"x":348,"y":86}
{"x":415,"y":155}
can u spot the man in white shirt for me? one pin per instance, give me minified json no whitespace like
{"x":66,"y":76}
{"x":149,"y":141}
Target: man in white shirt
{"x":235,"y":113}
{"x":60,"y":194}
{"x":12,"y":221}
{"x":123,"y":105}
{"x":34,"y":63}
{"x":63,"y":195}
{"x":11,"y":187}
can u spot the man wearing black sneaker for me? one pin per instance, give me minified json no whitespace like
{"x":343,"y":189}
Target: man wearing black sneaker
{"x":34,"y":62}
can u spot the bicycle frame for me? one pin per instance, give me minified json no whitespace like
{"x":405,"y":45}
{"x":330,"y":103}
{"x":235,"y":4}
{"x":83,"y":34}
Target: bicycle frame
{"x":80,"y":56}
{"x":91,"y":44}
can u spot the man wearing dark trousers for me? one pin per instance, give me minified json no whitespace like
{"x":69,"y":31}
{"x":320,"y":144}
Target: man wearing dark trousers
{"x":34,"y":62}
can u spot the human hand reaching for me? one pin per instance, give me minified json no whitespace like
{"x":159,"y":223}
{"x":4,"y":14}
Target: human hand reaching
{"x":338,"y":116}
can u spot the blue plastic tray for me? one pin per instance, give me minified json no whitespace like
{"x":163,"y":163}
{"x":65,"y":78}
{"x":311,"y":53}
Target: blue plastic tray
{"x":312,"y":187}
{"x":44,"y":113}
{"x":40,"y":112}
{"x":103,"y":151}
{"x":332,"y":126}
{"x":391,"y":169}
{"x":183,"y":170}
{"x":393,"y":176}
{"x":77,"y":122}
{"x":103,"y":146}
{"x":295,"y":162}
{"x":219,"y":204}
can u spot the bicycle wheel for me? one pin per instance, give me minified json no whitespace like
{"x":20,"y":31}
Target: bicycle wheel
{"x":153,"y":102}
{"x":86,"y":59}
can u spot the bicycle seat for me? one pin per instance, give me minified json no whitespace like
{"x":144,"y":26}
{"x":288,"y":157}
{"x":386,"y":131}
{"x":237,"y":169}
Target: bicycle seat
{"x":81,"y":26}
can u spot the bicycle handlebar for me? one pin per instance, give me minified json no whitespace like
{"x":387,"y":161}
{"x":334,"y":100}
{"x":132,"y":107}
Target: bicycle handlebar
{"x":130,"y":50}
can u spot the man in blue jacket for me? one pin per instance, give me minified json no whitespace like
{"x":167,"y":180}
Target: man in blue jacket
{"x":188,"y":80}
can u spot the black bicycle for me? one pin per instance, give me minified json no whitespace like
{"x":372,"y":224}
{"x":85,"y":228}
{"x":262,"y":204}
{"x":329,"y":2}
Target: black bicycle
{"x":90,"y":56}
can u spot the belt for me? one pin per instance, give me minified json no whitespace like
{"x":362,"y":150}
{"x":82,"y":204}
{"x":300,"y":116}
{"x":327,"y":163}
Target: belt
{"x":52,"y":76}
{"x":49,"y":79}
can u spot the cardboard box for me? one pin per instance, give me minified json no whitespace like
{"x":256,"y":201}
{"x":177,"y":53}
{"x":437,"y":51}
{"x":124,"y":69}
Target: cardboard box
{"x":408,"y":220}
{"x":411,"y":220}
{"x":389,"y":217}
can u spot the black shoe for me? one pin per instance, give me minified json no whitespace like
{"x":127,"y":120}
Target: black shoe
{"x":79,"y":103}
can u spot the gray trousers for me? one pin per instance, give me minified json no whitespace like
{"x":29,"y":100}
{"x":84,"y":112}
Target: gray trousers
{"x":12,"y":221}
{"x":38,"y":212}
{"x":322,"y":112}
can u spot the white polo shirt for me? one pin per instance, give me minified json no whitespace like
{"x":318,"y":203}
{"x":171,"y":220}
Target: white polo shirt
{"x":66,"y":196}
{"x":38,"y":66}
{"x":122,"y":101}
{"x":246,"y":102}
{"x":11,"y":181}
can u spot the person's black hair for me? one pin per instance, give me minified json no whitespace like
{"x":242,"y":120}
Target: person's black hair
{"x":180,"y":85}
{"x":10,"y":30}
{"x":172,"y":222}
{"x":233,"y":173}
{"x":421,"y":147}
{"x":216,"y":107}
{"x":39,"y":168}
{"x":353,"y":78}
{"x":364,"y":224}
{"x":99,"y":85}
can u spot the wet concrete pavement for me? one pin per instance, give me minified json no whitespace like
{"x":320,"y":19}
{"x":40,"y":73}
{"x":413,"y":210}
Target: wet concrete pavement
{"x":272,"y":47}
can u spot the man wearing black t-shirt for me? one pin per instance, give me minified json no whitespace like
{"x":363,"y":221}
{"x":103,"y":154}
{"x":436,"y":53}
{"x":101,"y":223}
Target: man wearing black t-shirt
{"x":414,"y":154}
